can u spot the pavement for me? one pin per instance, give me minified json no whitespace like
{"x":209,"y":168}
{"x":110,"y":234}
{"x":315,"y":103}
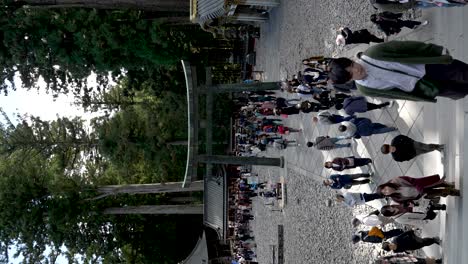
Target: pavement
{"x":443,"y":122}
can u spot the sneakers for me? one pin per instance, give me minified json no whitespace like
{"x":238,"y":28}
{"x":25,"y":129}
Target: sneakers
{"x":391,"y":104}
{"x":438,"y":241}
{"x":424,"y":23}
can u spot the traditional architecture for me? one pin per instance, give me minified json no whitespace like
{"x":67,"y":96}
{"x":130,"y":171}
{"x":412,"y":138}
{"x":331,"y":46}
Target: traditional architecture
{"x":212,"y":15}
{"x":215,"y":207}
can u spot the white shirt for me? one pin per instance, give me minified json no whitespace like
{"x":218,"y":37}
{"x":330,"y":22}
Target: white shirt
{"x":382,"y":79}
{"x":374,"y":220}
{"x":351,"y":199}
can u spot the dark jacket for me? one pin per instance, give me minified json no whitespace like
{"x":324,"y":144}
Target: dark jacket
{"x":404,"y":148}
{"x":355,"y":37}
{"x":355,"y":104}
{"x":343,"y":164}
{"x":341,"y":181}
{"x":369,"y":239}
{"x":407,"y":241}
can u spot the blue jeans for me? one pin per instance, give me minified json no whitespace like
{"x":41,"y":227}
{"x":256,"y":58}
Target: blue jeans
{"x":377,"y":128}
{"x":338,"y":145}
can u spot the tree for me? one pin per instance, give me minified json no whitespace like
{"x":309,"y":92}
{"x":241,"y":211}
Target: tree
{"x":66,"y":45}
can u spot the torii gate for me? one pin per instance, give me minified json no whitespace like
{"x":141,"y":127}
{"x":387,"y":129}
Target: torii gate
{"x":208,"y":90}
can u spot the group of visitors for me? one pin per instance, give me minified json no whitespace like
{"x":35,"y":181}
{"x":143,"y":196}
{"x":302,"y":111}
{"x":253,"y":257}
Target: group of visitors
{"x":241,"y":193}
{"x":390,"y":70}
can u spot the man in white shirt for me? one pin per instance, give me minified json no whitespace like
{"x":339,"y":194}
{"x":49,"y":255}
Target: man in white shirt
{"x":408,"y":70}
{"x":351,"y":198}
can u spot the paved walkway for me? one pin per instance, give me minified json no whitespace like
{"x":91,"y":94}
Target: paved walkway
{"x":442,"y":122}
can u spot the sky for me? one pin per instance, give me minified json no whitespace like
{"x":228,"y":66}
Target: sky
{"x":38,"y":103}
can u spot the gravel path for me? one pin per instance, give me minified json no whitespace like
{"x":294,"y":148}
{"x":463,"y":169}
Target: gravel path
{"x":313,"y":232}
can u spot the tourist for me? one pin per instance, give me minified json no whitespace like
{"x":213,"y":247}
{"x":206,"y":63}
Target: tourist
{"x":327,"y":118}
{"x":391,"y":23}
{"x":393,"y":5}
{"x":375,"y":235}
{"x":326,"y":99}
{"x":352,"y":199}
{"x":409,"y":241}
{"x":360,"y":127}
{"x":407,"y":70}
{"x":351,"y":162}
{"x":404,"y":148}
{"x":308,"y":107}
{"x":359,"y":104}
{"x":413,"y":216}
{"x":403,"y":258}
{"x":346,"y":181}
{"x":347,"y":36}
{"x":327,"y":143}
{"x":405,"y":189}
{"x":374,"y":218}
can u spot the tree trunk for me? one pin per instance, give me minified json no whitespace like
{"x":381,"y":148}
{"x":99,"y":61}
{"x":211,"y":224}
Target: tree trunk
{"x":146,"y":5}
{"x":186,"y":199}
{"x":156,"y":209}
{"x":168,"y":187}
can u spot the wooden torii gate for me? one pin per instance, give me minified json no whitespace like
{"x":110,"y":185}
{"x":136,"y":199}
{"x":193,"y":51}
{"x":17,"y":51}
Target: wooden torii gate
{"x":190,"y":182}
{"x":208,"y":90}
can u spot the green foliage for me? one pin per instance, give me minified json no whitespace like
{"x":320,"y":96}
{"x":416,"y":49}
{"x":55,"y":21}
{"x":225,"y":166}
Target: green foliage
{"x":65,"y":46}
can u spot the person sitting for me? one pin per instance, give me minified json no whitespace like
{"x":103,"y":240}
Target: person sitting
{"x":351,"y":198}
{"x":404,"y":148}
{"x":347,"y":36}
{"x":375,"y":235}
{"x":351,"y":162}
{"x":405,"y":189}
{"x":346,"y":181}
{"x":409,"y":241}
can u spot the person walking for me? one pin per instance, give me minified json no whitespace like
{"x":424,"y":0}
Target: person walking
{"x":413,"y":216}
{"x":359,"y":104}
{"x":374,"y":218}
{"x":403,"y":148}
{"x":351,"y":162}
{"x":327,"y":143}
{"x":391,"y":23}
{"x":405,"y":189}
{"x":346,"y":36}
{"x":346,"y":181}
{"x":406,"y":70}
{"x":352,"y":199}
{"x":409,"y":241}
{"x":403,"y":258}
{"x":359,"y":127}
{"x":375,"y":235}
{"x":327,"y":118}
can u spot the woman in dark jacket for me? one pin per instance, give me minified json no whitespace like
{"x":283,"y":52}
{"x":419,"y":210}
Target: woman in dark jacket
{"x":391,"y":23}
{"x":347,"y":36}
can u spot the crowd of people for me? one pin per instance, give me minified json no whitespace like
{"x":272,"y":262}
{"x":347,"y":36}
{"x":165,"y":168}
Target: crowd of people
{"x":242,"y":190}
{"x":335,"y":89}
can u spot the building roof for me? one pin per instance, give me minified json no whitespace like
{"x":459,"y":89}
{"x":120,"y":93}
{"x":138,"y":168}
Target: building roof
{"x":199,"y":254}
{"x":203,"y":10}
{"x":215,"y":202}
